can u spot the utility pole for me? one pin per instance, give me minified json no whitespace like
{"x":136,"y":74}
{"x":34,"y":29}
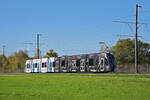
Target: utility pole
{"x":136,"y":39}
{"x":38,"y":48}
{"x":3,"y":50}
{"x":3,"y":67}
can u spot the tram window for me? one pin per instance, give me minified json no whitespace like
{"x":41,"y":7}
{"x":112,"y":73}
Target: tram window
{"x":46,"y":64}
{"x":57,"y":63}
{"x":53,"y":64}
{"x":111,"y":58}
{"x":82,"y":64}
{"x":63,"y":63}
{"x":43,"y":65}
{"x":73,"y":63}
{"x":106,"y":61}
{"x":28,"y":65}
{"x":35,"y":65}
{"x":78,"y":62}
{"x":102,"y":62}
{"x":91,"y":62}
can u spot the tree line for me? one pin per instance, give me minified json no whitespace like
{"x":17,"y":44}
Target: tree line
{"x":124,"y":51}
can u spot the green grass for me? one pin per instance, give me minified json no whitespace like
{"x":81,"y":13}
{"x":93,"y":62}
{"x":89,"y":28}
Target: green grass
{"x":74,"y":87}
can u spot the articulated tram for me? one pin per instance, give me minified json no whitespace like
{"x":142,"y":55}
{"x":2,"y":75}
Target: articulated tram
{"x":96,"y":62}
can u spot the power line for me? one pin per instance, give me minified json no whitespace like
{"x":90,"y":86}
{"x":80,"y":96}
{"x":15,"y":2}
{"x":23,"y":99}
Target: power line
{"x":124,"y":35}
{"x":38,"y":47}
{"x":118,"y":21}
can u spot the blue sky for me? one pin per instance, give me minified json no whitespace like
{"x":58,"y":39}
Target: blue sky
{"x":68,"y":26}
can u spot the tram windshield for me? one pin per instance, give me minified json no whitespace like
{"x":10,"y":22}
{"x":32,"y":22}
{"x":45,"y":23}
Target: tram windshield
{"x":112,"y":59}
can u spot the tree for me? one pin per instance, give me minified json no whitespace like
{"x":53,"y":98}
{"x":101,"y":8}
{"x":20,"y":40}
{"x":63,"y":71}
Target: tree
{"x":144,"y":52}
{"x":17,"y":61}
{"x":124,"y":51}
{"x":51,"y":53}
{"x":3,"y":63}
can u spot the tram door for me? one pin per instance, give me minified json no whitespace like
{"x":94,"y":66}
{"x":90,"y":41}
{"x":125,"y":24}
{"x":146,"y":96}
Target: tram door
{"x":82,"y":65}
{"x":102,"y":64}
{"x":56,"y":65}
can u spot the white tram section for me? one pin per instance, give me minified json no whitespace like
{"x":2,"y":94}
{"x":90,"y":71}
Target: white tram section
{"x":36,"y":66}
{"x":28,"y":68}
{"x":45,"y":65}
{"x":51,"y":62}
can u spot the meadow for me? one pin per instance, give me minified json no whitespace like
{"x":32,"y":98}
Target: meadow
{"x":74,"y":86}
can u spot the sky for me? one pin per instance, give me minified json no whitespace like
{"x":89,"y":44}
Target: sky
{"x":69,"y":26}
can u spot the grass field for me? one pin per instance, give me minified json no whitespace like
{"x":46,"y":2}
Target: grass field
{"x":74,"y":87}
